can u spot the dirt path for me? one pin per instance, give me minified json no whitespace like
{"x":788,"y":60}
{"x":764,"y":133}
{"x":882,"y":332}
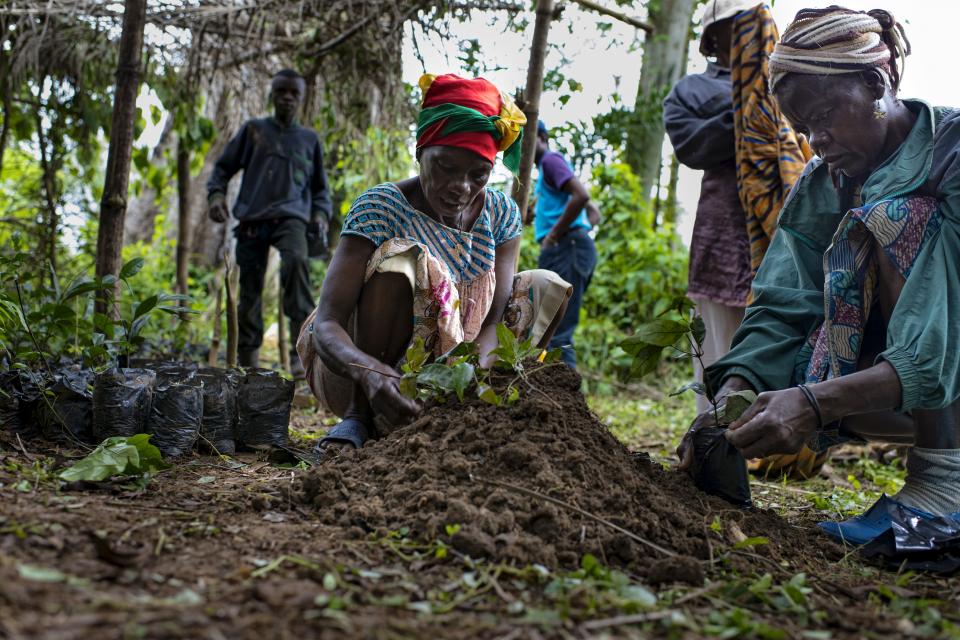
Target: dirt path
{"x":403,"y":540}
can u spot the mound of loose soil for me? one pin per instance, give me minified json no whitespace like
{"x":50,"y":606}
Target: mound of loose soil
{"x":461,"y":464}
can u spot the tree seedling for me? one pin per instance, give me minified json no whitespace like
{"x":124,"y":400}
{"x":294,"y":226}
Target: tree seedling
{"x":459,"y":369}
{"x":681,"y":336}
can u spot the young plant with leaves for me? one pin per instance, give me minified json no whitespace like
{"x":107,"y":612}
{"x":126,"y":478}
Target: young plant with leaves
{"x":459,"y":369}
{"x":679,"y":332}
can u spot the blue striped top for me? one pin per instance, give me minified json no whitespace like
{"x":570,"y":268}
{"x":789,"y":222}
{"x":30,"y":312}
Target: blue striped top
{"x":383,"y":213}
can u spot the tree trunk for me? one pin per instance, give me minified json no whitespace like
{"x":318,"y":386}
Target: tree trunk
{"x":6,"y":98}
{"x":664,"y":61}
{"x":116,"y":181}
{"x":531,"y":100}
{"x":183,"y":217}
{"x":670,"y":206}
{"x":50,"y":194}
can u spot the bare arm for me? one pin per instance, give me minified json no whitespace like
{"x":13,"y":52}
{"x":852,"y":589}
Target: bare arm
{"x":338,"y":300}
{"x":783,"y":421}
{"x":504,"y":268}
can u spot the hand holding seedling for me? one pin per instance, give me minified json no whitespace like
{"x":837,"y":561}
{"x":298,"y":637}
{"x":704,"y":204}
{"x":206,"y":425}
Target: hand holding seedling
{"x":778,"y":422}
{"x":709,"y":418}
{"x":381,"y":385}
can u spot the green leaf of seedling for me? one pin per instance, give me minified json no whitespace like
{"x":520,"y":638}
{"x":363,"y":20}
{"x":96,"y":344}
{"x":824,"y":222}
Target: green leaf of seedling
{"x":145,"y":306}
{"x":464,"y":352}
{"x":699,"y":331}
{"x":488,"y":395}
{"x":716,"y":525}
{"x":461,"y":376}
{"x":513,"y":394}
{"x":131,"y":268}
{"x":452,"y":529}
{"x":662,"y":306}
{"x":696,"y":387}
{"x":645,"y":361}
{"x":662,"y":332}
{"x":117,"y":456}
{"x":408,"y":385}
{"x":507,"y":345}
{"x":415,"y":357}
{"x":633,"y":345}
{"x":553,"y":355}
{"x":136,"y":327}
{"x":734,"y":405}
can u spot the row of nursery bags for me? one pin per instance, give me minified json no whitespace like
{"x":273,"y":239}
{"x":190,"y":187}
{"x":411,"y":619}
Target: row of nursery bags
{"x":179,"y":404}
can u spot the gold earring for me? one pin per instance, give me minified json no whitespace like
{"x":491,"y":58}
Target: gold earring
{"x":878,"y":112}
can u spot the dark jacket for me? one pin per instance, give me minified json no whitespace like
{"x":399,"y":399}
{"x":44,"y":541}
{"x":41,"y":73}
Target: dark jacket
{"x":283,"y":172}
{"x":698,"y":116}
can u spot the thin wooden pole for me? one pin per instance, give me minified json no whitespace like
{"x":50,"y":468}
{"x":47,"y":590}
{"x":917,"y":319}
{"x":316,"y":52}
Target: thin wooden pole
{"x":531,"y":98}
{"x":183,"y":217}
{"x":231,"y":280}
{"x":113,"y":205}
{"x":282,"y":327}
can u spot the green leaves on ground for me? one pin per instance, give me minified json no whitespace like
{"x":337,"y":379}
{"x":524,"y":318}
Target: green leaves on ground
{"x":117,"y":456}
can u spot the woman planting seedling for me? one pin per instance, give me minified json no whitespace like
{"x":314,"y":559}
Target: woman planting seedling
{"x":431,"y":257}
{"x":852,"y":333}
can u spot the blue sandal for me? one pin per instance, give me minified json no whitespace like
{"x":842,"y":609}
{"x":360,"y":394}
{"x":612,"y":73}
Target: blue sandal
{"x":876,"y":521}
{"x":349,"y":431}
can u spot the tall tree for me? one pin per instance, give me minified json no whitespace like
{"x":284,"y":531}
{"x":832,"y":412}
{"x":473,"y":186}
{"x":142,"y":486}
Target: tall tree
{"x":664,"y":61}
{"x":531,"y":102}
{"x":116,"y":182}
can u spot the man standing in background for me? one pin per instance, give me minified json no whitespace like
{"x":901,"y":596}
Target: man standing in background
{"x":283,"y":202}
{"x":563,"y":217}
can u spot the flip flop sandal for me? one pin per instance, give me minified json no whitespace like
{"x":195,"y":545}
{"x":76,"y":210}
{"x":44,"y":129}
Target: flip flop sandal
{"x":349,"y":431}
{"x":876,"y":521}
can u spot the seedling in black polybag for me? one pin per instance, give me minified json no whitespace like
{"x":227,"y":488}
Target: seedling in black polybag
{"x":718,"y":467}
{"x":683,"y":335}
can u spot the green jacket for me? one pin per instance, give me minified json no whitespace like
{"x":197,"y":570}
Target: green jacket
{"x":923,"y":338}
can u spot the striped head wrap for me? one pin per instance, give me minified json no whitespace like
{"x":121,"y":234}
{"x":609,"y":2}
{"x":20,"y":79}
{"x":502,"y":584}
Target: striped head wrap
{"x":470,"y":113}
{"x":835,"y":40}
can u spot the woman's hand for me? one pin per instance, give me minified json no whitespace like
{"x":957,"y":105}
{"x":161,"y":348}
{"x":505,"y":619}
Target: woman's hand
{"x":778,"y":422}
{"x":707,"y":419}
{"x":381,"y":385}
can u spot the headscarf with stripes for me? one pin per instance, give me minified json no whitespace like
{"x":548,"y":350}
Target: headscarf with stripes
{"x":835,"y":41}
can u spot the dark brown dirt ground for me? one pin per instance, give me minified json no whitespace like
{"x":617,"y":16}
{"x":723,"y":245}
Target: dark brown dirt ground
{"x":242,"y":548}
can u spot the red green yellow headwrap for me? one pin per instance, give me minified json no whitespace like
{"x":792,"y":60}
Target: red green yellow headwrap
{"x":472,"y":114}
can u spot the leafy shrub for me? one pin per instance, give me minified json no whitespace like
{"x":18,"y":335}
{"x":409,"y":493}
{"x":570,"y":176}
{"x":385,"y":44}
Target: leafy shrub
{"x":638,"y":266}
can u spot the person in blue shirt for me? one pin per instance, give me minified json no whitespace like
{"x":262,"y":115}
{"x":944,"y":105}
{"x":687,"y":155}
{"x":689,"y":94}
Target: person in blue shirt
{"x":563,"y":218}
{"x":283,"y":202}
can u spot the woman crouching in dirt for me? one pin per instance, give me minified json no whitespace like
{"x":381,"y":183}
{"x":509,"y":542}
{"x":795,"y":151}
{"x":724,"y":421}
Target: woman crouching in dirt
{"x":431,"y":257}
{"x":855,"y":329}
